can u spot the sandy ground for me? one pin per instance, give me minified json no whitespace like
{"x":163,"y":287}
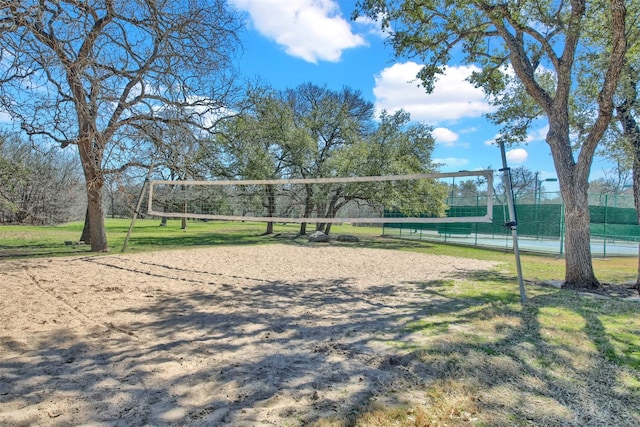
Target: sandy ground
{"x":260,"y":335}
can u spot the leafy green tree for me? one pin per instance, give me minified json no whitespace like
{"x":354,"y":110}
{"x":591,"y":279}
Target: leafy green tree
{"x":253,"y":144}
{"x":621,"y":143}
{"x":90,"y":73}
{"x":395,"y":146}
{"x":525,"y":38}
{"x":628,"y":111}
{"x":325,"y":122}
{"x":313,"y":132}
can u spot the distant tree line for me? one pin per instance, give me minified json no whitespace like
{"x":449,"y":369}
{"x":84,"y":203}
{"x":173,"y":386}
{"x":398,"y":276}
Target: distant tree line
{"x":38,"y":187}
{"x":309,"y":131}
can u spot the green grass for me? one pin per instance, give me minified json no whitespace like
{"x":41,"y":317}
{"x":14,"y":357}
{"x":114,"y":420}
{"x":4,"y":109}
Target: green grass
{"x":30,"y":241}
{"x":491,"y":361}
{"x":481,"y":357}
{"x":147,"y":235}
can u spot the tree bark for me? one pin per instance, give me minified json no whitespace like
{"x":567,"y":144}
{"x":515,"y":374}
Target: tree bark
{"x":327,"y":229}
{"x":91,"y":160}
{"x":96,"y":219}
{"x":579,"y":271}
{"x":271,"y":207}
{"x":183,"y":221}
{"x":86,"y":232}
{"x":308,"y":208}
{"x":183,"y":224}
{"x":574,"y":184}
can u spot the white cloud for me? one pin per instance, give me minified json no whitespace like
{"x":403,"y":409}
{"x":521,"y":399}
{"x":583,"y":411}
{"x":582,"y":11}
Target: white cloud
{"x":469,"y":130}
{"x":493,"y":141}
{"x":445,"y":136}
{"x":490,"y":142}
{"x":313,"y":30}
{"x":451,"y":163}
{"x":538,"y":134}
{"x":371,"y":26}
{"x":5,"y":117}
{"x":517,"y":155}
{"x":453,"y":98}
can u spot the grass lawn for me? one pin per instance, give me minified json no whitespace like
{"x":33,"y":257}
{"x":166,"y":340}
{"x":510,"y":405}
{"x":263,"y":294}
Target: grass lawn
{"x":486,"y":359}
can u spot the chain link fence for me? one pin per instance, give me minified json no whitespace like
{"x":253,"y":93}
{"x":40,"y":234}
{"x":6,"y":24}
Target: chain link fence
{"x":614,"y":225}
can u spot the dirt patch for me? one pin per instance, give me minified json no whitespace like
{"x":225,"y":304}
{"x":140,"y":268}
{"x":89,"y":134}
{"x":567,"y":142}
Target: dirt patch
{"x":265,"y":335}
{"x":614,"y":290}
{"x":606,"y":290}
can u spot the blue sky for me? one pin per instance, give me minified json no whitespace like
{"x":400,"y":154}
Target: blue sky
{"x":289,"y":42}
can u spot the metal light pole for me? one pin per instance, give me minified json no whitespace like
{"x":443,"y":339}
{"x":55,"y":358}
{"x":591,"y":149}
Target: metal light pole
{"x":539,"y":187}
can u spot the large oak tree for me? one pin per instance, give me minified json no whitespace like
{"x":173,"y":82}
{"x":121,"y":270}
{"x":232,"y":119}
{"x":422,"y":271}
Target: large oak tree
{"x":326,"y":122}
{"x":523,"y":37}
{"x":93,"y":73}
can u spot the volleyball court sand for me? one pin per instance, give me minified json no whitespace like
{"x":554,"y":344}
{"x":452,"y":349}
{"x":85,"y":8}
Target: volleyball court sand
{"x":260,"y":335}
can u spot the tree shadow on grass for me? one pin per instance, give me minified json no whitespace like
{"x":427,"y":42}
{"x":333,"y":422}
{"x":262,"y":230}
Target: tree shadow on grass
{"x":41,"y":251}
{"x":551,"y":362}
{"x":197,"y":240}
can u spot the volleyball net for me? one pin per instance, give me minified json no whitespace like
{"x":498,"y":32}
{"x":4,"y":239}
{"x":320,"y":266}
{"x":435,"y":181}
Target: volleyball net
{"x":415,"y":198}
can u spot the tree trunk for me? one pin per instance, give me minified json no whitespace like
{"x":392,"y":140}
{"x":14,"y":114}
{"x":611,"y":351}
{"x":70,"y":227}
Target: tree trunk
{"x":321,"y":207}
{"x":86,"y":232}
{"x":91,"y":160}
{"x":96,"y":222}
{"x":574,"y":184}
{"x":183,"y":225}
{"x":579,"y":269}
{"x":271,"y":207}
{"x":163,"y":220}
{"x":573,"y":176}
{"x":332,"y":210}
{"x":308,"y":208}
